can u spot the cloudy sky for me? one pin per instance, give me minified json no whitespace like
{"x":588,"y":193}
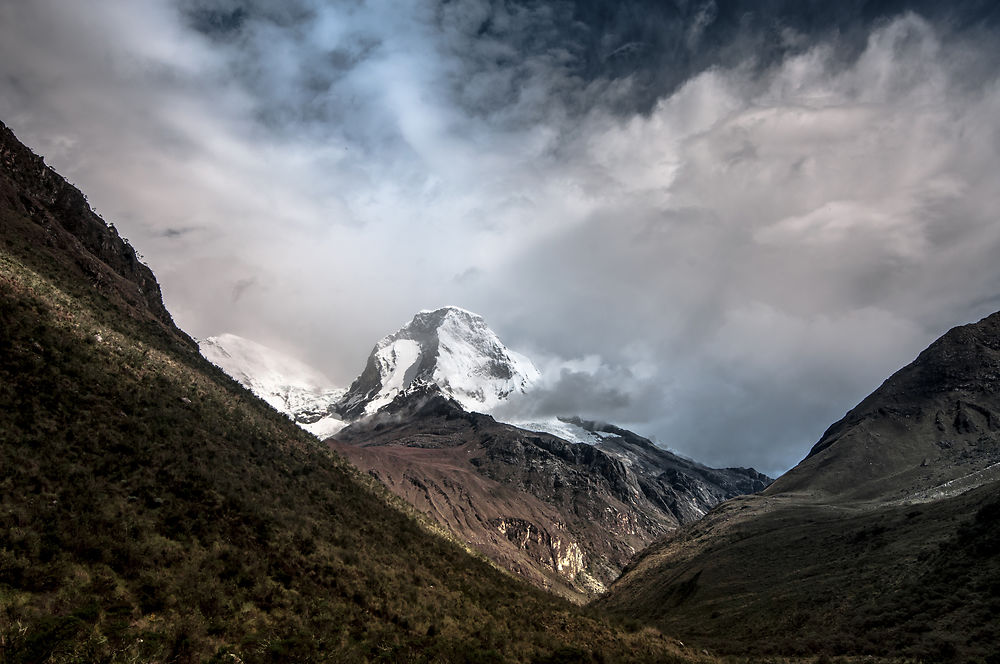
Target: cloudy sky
{"x":719,"y":223}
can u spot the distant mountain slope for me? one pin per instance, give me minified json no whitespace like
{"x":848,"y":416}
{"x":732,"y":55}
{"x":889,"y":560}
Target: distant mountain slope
{"x":933,"y":422}
{"x":885,"y":540}
{"x":290,"y":386}
{"x":154,"y":510}
{"x":685,"y":488}
{"x":451,"y":348}
{"x":566,"y":516}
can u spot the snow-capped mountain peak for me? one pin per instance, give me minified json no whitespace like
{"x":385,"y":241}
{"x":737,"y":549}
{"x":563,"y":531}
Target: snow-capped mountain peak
{"x":451,"y":348}
{"x":289,"y":385}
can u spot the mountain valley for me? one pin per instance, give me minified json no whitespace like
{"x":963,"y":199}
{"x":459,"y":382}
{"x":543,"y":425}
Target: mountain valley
{"x":566,"y":515}
{"x":155,"y":509}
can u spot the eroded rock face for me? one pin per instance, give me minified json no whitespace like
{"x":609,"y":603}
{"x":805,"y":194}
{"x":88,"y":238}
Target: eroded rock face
{"x":564,"y":557}
{"x":568,"y":516}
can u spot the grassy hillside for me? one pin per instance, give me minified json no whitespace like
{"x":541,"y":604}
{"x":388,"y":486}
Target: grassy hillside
{"x":153,"y":510}
{"x":769,"y":575}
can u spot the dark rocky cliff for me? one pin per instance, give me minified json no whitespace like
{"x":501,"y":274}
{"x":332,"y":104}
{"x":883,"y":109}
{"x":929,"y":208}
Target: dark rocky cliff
{"x":46,"y":219}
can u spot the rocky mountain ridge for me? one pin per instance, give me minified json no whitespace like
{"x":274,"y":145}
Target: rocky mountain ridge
{"x":567,"y":516}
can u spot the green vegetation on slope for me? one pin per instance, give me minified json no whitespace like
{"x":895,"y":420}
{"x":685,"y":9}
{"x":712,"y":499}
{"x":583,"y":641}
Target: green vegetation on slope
{"x":154,"y":510}
{"x":765,"y":575}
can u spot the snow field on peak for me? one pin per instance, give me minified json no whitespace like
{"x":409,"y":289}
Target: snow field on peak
{"x":472,"y":362}
{"x":323,"y":428}
{"x":449,"y":309}
{"x":397,"y":365}
{"x":561,"y":429}
{"x":454,"y":349}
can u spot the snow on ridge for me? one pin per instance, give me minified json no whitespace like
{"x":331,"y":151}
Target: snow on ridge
{"x":561,"y":429}
{"x":397,"y":362}
{"x":450,"y":307}
{"x":288,"y":385}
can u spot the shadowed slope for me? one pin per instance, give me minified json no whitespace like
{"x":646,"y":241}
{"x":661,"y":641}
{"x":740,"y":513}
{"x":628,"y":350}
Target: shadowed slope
{"x":933,"y":422}
{"x":884,"y":540}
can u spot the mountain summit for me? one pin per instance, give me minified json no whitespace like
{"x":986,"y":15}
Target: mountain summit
{"x":450,"y":348}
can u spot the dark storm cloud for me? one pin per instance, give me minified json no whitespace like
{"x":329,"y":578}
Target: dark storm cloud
{"x":220,"y":22}
{"x":656,"y":46}
{"x":508,"y":61}
{"x":179,"y":232}
{"x":242,"y":286}
{"x":567,"y":391}
{"x":718,"y":223}
{"x":579,"y":392}
{"x":776,"y":254}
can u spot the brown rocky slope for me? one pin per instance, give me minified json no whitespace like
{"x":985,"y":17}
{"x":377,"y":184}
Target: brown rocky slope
{"x":566,"y":516}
